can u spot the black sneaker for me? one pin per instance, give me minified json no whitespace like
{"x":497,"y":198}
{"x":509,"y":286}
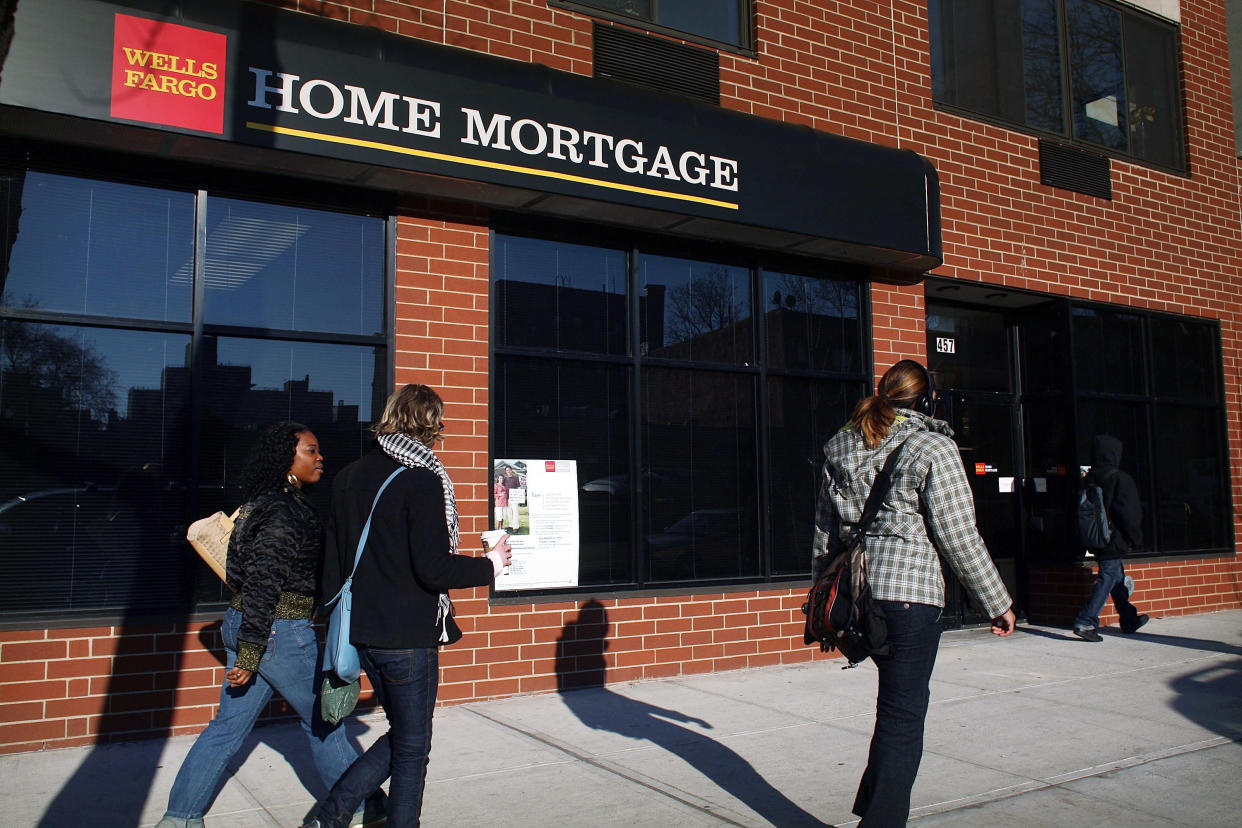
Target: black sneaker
{"x":1089,"y":634}
{"x":1142,"y":619}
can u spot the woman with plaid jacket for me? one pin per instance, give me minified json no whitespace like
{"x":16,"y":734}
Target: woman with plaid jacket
{"x":929,"y":513}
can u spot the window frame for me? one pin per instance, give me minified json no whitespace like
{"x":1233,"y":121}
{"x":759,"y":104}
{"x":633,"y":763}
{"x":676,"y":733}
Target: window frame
{"x":757,"y":371}
{"x":746,"y":25}
{"x":1067,"y":135}
{"x":111,"y":167}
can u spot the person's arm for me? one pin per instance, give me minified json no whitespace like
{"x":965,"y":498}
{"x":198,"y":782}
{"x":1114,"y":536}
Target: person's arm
{"x":277,"y":538}
{"x":949,"y":508}
{"x":435,"y":567}
{"x":1127,"y":511}
{"x":827,"y":527}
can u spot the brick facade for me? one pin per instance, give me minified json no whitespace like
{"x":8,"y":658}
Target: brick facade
{"x":1164,"y":241}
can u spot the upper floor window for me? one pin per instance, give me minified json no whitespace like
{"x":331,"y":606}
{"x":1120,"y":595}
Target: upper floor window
{"x":1089,"y":71}
{"x":718,"y":21}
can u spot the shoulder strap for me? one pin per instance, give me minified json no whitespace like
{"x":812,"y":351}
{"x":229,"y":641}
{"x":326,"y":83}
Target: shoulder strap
{"x":366,"y":530}
{"x":875,"y":498}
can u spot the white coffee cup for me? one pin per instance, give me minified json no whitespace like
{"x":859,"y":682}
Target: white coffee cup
{"x":491,"y":538}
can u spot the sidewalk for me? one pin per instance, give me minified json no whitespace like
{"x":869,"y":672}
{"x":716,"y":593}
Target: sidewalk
{"x":1038,"y":729}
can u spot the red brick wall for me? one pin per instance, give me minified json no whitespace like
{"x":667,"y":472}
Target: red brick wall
{"x":854,"y":68}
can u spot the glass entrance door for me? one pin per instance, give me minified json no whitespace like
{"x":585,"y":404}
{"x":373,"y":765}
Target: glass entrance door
{"x":972,"y":351}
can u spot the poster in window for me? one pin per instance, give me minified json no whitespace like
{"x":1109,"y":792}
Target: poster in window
{"x":536,"y":502}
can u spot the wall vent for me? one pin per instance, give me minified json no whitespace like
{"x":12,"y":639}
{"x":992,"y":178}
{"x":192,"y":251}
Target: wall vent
{"x":1074,"y":169}
{"x":656,"y":63}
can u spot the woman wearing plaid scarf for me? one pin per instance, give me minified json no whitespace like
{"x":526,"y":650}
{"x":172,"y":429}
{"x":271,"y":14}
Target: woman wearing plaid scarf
{"x":401,"y":609}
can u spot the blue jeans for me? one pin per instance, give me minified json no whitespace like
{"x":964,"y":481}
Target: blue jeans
{"x":290,"y":666}
{"x":883,"y":797}
{"x":406,"y":683}
{"x":1109,"y":581}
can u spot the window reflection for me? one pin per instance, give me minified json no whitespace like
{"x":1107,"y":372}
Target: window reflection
{"x":1097,"y":74}
{"x":695,"y":310}
{"x":803,"y":414}
{"x":291,"y":268}
{"x":719,"y":20}
{"x":95,"y":247}
{"x":93,"y":443}
{"x":1108,"y":351}
{"x":811,"y":323}
{"x":562,"y":296}
{"x":1003,"y":59}
{"x":694,"y":489}
{"x":575,"y":411}
{"x":700,"y":507}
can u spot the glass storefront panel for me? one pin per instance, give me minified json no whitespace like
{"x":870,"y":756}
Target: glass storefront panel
{"x":811,"y":323}
{"x":803,"y":414}
{"x":276,"y":267}
{"x":104,"y":460}
{"x":94,"y":436}
{"x":1185,"y":359}
{"x":75,"y":245}
{"x":1108,"y":351}
{"x":559,"y":296}
{"x":1192,"y":505}
{"x":696,"y":310}
{"x":701,"y":501}
{"x":574,"y":411}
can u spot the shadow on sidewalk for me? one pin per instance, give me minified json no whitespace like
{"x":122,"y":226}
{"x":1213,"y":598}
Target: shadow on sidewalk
{"x":580,"y":666}
{"x":1203,"y":644}
{"x":1210,"y":696}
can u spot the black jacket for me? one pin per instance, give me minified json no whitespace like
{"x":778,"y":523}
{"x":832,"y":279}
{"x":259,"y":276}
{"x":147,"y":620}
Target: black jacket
{"x":274,"y":551}
{"x":1121,"y":497}
{"x":406,"y":563}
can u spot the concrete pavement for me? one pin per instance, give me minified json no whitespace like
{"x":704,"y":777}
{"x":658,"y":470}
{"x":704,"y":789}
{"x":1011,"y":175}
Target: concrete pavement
{"x":1038,"y":729}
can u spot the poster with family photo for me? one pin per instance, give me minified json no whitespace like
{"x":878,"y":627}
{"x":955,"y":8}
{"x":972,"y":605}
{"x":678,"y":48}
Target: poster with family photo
{"x":536,"y":502}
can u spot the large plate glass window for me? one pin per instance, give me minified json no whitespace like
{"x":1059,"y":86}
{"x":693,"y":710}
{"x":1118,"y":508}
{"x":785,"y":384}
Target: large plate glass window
{"x":1090,"y":71}
{"x":126,"y":411}
{"x":698,"y":447}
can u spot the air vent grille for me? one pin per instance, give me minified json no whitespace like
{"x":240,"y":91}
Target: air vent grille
{"x":1074,"y":169}
{"x":656,"y":63}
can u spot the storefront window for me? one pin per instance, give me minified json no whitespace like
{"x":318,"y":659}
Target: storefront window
{"x":1004,"y":59}
{"x":697,"y":452}
{"x":105,"y":456}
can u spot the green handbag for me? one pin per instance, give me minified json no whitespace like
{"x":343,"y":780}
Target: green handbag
{"x":337,"y":698}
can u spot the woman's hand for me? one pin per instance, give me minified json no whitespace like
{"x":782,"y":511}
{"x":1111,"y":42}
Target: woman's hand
{"x":1003,"y":624}
{"x":237,"y":677}
{"x":500,"y":554}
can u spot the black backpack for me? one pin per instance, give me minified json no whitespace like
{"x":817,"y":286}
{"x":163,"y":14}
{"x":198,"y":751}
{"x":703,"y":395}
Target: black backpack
{"x":839,"y":611}
{"x":1095,"y":529}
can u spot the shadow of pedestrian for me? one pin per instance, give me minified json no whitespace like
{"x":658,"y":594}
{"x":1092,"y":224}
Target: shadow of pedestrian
{"x":1212,"y":697}
{"x":1182,"y":642}
{"x":581,"y":670}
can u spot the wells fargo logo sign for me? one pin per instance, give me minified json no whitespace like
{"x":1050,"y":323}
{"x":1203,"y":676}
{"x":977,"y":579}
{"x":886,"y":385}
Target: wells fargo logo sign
{"x":167,"y":74}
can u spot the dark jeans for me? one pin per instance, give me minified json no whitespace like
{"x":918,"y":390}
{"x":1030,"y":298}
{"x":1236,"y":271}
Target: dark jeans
{"x":883,"y":797}
{"x":405,"y":682}
{"x":1111,"y":580}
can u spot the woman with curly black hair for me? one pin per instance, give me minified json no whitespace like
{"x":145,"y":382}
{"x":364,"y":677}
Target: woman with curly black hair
{"x":273,"y":559}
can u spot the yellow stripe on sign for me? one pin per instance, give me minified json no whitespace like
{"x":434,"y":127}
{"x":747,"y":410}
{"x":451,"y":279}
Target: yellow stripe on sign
{"x":474,"y":162}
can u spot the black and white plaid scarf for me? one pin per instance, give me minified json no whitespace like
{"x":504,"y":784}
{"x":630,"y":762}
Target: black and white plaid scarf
{"x":411,"y":453}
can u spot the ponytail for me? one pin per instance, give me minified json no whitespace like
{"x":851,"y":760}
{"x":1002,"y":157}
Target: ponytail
{"x":873,"y":417}
{"x":906,"y":385}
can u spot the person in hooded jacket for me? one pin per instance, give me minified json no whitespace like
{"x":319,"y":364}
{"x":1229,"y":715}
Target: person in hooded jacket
{"x":928,"y":514}
{"x":1125,"y":514}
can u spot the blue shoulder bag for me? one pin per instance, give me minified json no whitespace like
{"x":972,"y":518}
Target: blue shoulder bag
{"x":340,"y":658}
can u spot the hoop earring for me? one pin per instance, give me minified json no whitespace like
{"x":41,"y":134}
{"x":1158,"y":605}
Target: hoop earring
{"x":293,"y":481}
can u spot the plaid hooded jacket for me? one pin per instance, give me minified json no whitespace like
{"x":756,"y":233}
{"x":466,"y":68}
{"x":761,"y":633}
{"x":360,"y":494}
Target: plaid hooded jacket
{"x":928,"y":509}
